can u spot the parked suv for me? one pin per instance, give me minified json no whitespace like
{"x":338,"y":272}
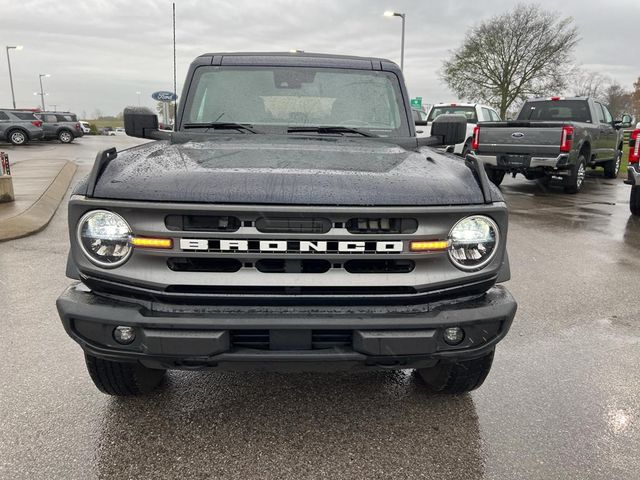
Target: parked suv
{"x":63,"y":126}
{"x":292,"y":221}
{"x":473,"y":112}
{"x":19,"y":127}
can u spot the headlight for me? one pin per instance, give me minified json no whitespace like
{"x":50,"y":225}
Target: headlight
{"x":104,"y":238}
{"x":473,"y":242}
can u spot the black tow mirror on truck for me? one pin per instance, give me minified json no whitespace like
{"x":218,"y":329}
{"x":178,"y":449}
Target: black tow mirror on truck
{"x":624,"y":122}
{"x":446,"y":130}
{"x":141,"y":122}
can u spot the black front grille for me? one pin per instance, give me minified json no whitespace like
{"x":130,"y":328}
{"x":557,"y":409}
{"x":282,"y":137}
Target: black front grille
{"x":276,"y":265}
{"x":379,"y":266}
{"x":260,"y":339}
{"x":204,"y":264}
{"x":293,"y":225}
{"x":202,"y":223}
{"x":382,"y":225}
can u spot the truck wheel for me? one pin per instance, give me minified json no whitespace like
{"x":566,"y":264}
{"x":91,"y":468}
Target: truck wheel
{"x":496,"y":176}
{"x":575,"y":181}
{"x":65,"y":136}
{"x":458,"y":377}
{"x":634,"y":201}
{"x":122,"y":379}
{"x":18,"y":137}
{"x":612,"y":167}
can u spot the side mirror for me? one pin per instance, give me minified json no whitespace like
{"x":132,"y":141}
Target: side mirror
{"x":446,"y":130}
{"x":625,"y":122}
{"x":140,"y":122}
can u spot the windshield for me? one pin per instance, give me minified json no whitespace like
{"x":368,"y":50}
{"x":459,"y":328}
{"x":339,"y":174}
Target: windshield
{"x":468,"y":112}
{"x":556,"y":110}
{"x":297,"y":97}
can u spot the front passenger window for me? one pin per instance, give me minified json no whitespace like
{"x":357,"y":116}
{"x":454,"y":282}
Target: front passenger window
{"x":607,"y":115}
{"x":600,"y":112}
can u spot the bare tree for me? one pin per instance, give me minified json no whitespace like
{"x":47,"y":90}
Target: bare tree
{"x":589,"y":84}
{"x":617,"y":99}
{"x":635,"y":99}
{"x":525,"y":52}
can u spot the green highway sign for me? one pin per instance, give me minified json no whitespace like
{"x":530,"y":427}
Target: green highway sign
{"x":416,"y":102}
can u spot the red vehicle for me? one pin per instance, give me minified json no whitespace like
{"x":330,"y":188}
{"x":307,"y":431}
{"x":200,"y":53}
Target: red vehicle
{"x":633,"y":171}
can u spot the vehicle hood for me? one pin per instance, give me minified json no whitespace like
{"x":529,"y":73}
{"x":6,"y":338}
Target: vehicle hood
{"x":261,"y":169}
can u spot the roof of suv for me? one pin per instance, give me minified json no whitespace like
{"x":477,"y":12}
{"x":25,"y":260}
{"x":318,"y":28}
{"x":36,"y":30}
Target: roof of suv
{"x":298,"y":59}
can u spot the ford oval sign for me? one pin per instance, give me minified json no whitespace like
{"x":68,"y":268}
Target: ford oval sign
{"x":164,"y":96}
{"x":517,"y":134}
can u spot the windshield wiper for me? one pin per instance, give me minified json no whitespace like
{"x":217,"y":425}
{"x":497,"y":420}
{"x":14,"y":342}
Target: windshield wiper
{"x":222,"y":126}
{"x":329,"y":130}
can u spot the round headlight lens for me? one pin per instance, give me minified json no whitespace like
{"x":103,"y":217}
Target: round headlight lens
{"x":473,"y":242}
{"x":104,"y":238}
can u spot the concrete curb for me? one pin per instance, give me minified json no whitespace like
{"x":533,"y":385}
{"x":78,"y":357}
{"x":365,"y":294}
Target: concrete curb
{"x":39,"y":214}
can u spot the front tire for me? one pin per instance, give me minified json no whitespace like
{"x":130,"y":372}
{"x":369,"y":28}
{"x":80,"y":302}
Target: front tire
{"x":575,"y":181}
{"x":458,"y":377}
{"x":122,"y":379}
{"x":65,"y":136}
{"x":634,"y":200}
{"x":612,"y":167}
{"x":18,"y":137}
{"x":496,"y":176}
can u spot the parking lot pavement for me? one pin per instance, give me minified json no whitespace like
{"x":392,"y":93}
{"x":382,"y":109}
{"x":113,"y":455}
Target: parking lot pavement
{"x":561,"y":402}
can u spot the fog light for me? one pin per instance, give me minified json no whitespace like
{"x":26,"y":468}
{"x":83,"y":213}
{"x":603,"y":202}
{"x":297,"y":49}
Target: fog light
{"x":453,"y":335}
{"x":124,"y":335}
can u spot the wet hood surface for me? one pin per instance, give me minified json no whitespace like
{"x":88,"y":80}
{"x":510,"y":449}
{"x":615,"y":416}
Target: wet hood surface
{"x":300,"y":170}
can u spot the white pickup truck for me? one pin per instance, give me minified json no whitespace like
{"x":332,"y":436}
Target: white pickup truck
{"x":474,"y":112}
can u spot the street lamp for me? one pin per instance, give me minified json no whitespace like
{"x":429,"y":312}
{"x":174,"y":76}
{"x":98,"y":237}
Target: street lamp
{"x":41,"y":89}
{"x":138,"y":93}
{"x":401,"y":15}
{"x":16,"y":47}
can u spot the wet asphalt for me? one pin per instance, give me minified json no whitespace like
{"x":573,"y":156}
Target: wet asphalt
{"x":562,"y":400}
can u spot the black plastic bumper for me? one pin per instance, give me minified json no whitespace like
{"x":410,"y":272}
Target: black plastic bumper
{"x":253,"y":337}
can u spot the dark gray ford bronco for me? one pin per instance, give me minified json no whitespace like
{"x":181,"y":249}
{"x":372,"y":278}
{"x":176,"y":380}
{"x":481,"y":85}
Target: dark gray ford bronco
{"x":292,"y":221}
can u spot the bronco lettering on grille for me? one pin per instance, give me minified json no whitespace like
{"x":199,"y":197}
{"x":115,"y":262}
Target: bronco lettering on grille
{"x":290,"y":246}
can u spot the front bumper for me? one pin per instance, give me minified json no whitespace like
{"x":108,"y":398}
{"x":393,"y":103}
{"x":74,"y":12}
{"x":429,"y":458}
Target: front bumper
{"x":179,"y":336}
{"x":524,"y":162}
{"x":633,"y":175}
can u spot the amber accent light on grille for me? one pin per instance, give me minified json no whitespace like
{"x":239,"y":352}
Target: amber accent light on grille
{"x":430,"y":246}
{"x":149,"y":242}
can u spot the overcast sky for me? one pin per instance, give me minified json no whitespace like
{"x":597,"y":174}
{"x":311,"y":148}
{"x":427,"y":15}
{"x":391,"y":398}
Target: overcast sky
{"x":101,"y":52}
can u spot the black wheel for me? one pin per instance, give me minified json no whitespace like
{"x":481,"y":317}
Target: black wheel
{"x":122,"y":379}
{"x":575,"y":181}
{"x":612,"y":167}
{"x":634,"y":201}
{"x":459,"y":377}
{"x":18,"y":137}
{"x":65,"y":136}
{"x":496,"y":176}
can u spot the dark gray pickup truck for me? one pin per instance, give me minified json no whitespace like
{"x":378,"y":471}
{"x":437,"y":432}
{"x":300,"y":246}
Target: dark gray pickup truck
{"x":553,"y":138}
{"x":292,"y":221}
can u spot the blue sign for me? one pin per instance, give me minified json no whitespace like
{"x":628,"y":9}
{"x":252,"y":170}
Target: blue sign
{"x":163,"y":96}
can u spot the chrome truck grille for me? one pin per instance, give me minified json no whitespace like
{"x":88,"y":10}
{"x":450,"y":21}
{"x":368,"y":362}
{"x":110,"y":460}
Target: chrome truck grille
{"x":230,"y":253}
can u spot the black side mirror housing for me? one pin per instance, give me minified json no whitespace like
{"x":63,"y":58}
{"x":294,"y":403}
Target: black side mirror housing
{"x":624,"y":122}
{"x":421,"y":123}
{"x":140,"y":122}
{"x":446,"y":130}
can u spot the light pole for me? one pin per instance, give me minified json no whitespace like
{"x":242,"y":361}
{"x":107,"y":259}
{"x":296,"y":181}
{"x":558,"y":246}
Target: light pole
{"x":41,"y":89}
{"x":138,"y":93}
{"x":403,"y":16}
{"x":16,"y":47}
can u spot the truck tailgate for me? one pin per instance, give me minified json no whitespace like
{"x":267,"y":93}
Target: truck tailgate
{"x":521,"y":137}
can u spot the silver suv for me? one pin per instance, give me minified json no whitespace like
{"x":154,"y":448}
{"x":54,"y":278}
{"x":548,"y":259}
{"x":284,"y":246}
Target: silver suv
{"x":63,"y":126}
{"x":19,"y":127}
